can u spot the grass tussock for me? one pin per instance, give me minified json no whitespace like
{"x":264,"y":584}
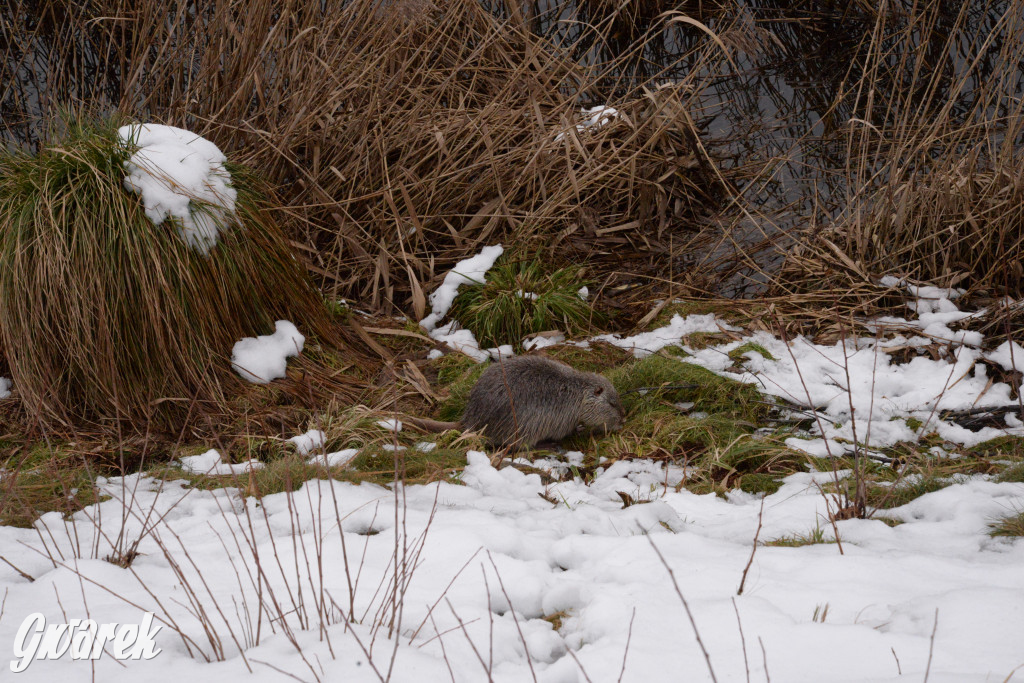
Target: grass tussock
{"x":520,"y":298}
{"x":107,"y":317}
{"x":1009,"y":526}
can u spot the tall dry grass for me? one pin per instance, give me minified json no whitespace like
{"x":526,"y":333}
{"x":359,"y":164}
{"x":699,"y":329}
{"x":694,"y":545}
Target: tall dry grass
{"x":402,"y":134}
{"x":934,"y":175}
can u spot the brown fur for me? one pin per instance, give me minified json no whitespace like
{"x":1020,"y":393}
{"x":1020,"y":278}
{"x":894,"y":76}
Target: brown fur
{"x":525,"y":400}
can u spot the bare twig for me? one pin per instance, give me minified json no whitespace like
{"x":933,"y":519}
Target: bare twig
{"x":743,"y":579}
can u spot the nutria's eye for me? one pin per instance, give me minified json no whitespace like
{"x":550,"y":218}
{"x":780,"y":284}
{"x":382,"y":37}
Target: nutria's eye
{"x":598,"y":391}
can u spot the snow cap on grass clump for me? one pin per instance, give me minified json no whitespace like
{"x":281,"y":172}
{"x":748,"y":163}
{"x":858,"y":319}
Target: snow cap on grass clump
{"x":265,"y":358}
{"x":180,"y":175}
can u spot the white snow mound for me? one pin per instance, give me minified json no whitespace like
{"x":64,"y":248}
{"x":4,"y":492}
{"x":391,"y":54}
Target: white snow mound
{"x":180,"y":175}
{"x":263,"y":359}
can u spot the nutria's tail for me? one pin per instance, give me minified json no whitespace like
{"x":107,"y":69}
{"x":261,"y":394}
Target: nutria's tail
{"x":431,"y":425}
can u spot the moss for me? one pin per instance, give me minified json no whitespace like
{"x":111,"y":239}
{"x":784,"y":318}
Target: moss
{"x":709,"y":392}
{"x":378,"y":465}
{"x":599,"y":357}
{"x":739,"y":353}
{"x":1001,"y":447}
{"x":759,"y":483}
{"x":901,"y":493}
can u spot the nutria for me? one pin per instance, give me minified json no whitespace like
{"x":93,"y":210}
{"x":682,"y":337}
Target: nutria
{"x":525,"y":400}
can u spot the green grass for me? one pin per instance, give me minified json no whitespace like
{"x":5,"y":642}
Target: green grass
{"x":1014,"y":473}
{"x":520,"y":298}
{"x":40,"y":479}
{"x":721,"y":446}
{"x":813,"y":537}
{"x":902,"y":492}
{"x":1002,"y":447}
{"x":457,"y":374}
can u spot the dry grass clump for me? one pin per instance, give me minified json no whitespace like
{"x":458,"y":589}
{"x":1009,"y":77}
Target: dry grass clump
{"x":108,"y":317}
{"x":403,"y":134}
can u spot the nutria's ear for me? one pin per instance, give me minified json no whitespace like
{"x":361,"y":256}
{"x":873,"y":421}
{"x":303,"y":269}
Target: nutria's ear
{"x":598,"y":390}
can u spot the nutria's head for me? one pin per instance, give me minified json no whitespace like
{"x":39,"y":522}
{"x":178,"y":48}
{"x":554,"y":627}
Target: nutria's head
{"x":601,"y":410}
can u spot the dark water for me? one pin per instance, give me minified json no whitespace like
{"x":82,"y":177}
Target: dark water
{"x":778,"y":114}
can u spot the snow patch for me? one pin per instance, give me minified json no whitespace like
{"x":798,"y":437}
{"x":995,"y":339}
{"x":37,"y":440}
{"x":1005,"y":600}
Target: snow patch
{"x":210,"y":463}
{"x":313,"y":440}
{"x":265,"y":358}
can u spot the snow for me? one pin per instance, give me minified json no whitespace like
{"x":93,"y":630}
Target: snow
{"x":172,"y":169}
{"x":1009,"y":355}
{"x":468,"y":271}
{"x":460,"y":340}
{"x":335,"y":459}
{"x":390,"y":424}
{"x":5,"y":387}
{"x":543,"y":341}
{"x":935,"y":312}
{"x":313,"y":440}
{"x":646,"y":343}
{"x":489,"y":563}
{"x":265,"y":358}
{"x":495,"y":556}
{"x":593,"y":117}
{"x":210,"y":463}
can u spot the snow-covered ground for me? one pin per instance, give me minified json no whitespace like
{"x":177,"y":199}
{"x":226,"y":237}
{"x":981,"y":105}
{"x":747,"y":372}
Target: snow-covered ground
{"x":466,"y":552}
{"x":302,"y":584}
